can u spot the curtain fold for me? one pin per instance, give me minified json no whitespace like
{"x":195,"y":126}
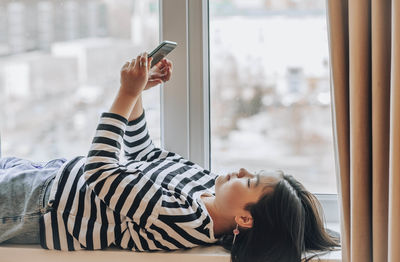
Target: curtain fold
{"x":394,"y":192}
{"x":364,"y":42}
{"x":381,"y":52}
{"x":337,"y":20}
{"x":360,"y":129}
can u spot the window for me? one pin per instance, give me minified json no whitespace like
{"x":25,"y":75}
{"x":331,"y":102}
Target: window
{"x":186,"y":98}
{"x":270,"y":90}
{"x":59,"y":69}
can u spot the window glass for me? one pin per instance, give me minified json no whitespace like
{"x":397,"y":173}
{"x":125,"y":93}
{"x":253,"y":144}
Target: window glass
{"x":270,"y":93}
{"x":59,"y":70}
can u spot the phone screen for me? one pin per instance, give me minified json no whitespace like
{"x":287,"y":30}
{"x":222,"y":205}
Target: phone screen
{"x":161,"y":51}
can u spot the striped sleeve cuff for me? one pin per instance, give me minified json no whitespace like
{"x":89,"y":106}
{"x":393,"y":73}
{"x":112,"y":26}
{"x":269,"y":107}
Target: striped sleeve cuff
{"x":109,"y":135}
{"x":137,"y":140}
{"x":114,"y":116}
{"x":137,"y":120}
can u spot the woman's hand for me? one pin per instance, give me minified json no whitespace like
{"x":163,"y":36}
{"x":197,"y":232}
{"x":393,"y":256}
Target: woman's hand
{"x":160,"y":73}
{"x":134,"y":75}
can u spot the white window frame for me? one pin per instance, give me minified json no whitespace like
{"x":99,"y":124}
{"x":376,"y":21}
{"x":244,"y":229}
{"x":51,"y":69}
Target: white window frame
{"x":185,"y":98}
{"x":185,"y":101}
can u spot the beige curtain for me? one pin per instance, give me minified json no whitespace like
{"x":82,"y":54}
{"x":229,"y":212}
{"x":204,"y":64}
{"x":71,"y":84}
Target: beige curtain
{"x":364,"y":41}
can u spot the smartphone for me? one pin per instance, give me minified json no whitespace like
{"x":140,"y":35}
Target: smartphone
{"x":161,"y":51}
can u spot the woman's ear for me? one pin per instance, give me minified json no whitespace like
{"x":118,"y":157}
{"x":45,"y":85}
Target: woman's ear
{"x":245,"y":221}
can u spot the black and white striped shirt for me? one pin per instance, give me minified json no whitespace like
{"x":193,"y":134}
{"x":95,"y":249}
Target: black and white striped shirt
{"x":151,"y":202}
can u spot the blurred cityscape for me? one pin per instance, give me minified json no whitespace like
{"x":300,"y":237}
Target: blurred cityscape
{"x":59,"y":69}
{"x":270,"y":90}
{"x":270,"y":99}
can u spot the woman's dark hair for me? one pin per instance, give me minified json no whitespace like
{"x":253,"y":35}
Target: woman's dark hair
{"x":287,"y":221}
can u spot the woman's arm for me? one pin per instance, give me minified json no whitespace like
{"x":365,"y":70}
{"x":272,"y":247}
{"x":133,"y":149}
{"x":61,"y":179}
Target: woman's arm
{"x":137,"y":110}
{"x":121,"y":189}
{"x":137,"y":142}
{"x":123,"y":104}
{"x":134,"y":78}
{"x":160,"y":73}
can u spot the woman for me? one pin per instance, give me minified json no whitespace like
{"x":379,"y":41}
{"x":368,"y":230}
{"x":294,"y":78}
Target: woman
{"x":157,"y":200}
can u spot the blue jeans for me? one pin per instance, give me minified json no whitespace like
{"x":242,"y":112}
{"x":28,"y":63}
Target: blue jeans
{"x":24,"y":191}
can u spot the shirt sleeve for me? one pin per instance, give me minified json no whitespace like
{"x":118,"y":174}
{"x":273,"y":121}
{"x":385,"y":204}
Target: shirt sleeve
{"x":127,"y":192}
{"x":187,"y":222}
{"x":137,"y":141}
{"x":138,"y":145}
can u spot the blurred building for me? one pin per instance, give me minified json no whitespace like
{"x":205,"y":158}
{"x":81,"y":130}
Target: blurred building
{"x":38,"y":75}
{"x":17,"y":27}
{"x":27,"y":25}
{"x":227,"y":6}
{"x":98,"y":59}
{"x":3,"y":31}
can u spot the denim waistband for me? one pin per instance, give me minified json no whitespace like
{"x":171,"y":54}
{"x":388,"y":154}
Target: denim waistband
{"x":48,"y":190}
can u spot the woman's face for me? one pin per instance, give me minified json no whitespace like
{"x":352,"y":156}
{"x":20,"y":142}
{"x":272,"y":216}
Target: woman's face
{"x":235,"y":190}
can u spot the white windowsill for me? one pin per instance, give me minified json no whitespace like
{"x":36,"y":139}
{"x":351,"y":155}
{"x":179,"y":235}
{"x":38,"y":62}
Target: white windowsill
{"x":33,"y":253}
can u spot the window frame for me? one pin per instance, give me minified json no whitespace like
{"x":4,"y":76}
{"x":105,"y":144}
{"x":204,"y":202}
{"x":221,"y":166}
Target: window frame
{"x":185,"y":99}
{"x":185,"y":127}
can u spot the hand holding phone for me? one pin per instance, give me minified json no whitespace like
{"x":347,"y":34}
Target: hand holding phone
{"x":161,"y":51}
{"x":160,"y":73}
